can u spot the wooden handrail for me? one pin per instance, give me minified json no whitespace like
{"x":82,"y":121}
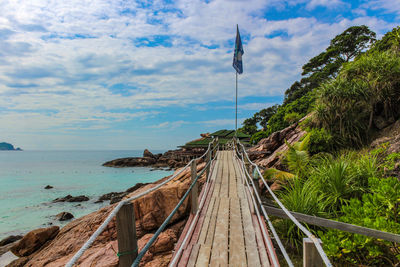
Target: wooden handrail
{"x":347,"y":227}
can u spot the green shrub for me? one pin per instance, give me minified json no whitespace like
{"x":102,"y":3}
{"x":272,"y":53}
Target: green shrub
{"x":255,"y":138}
{"x":378,"y":210}
{"x":299,"y":196}
{"x":292,"y":117}
{"x":320,"y":141}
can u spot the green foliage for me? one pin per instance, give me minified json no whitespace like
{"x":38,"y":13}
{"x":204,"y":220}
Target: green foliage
{"x":390,"y":41}
{"x":261,"y":117}
{"x":292,"y":117}
{"x":249,"y":126}
{"x":391,"y":160}
{"x":299,"y":196}
{"x":378,"y":210}
{"x":320,"y":141}
{"x":301,"y":106}
{"x":274,"y":174}
{"x":367,"y":87}
{"x":265,"y":114}
{"x":255,"y":138}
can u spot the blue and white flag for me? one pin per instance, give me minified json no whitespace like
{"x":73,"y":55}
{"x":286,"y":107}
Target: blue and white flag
{"x":237,"y":57}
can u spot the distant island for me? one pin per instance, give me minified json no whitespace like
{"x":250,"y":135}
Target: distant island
{"x":7,"y":146}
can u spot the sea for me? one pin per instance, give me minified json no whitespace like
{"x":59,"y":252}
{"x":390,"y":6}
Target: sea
{"x":25,"y":204}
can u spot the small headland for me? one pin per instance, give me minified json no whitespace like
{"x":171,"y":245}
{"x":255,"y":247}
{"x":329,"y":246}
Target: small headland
{"x":8,"y":147}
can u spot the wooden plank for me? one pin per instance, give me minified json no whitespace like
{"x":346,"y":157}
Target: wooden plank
{"x":185,"y":256}
{"x":270,"y":253}
{"x":219,"y":253}
{"x":224,"y":178}
{"x":334,"y":224}
{"x":184,"y":232}
{"x":260,"y":243}
{"x":237,"y":255}
{"x":203,"y":258}
{"x":232,"y":178}
{"x":211,"y":229}
{"x":249,"y":235}
{"x":206,"y":222}
{"x":193,"y":255}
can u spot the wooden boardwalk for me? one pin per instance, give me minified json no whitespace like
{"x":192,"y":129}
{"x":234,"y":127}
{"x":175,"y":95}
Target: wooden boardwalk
{"x":227,"y":232}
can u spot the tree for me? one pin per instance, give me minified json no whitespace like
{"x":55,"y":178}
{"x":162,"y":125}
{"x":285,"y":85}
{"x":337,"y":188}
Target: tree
{"x":265,"y":114}
{"x":343,"y":48}
{"x":250,"y":125}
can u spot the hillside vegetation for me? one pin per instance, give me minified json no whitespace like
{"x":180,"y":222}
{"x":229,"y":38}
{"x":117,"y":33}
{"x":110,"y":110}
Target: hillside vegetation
{"x":352,"y":91}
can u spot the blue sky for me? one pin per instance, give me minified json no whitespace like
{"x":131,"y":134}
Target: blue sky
{"x":126,"y":74}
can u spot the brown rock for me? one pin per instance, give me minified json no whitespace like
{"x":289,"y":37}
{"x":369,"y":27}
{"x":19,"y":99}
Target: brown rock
{"x":64,"y":216}
{"x":148,"y":154}
{"x":18,"y":262}
{"x":33,"y":240}
{"x":10,"y":239}
{"x":70,"y":198}
{"x":390,"y":135}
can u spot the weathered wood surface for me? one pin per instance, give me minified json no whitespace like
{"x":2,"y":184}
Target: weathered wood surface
{"x":226,"y":234}
{"x":334,"y":224}
{"x":126,"y":235}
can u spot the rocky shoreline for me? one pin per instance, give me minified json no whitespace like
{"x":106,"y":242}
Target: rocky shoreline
{"x":53,"y":246}
{"x":171,"y":159}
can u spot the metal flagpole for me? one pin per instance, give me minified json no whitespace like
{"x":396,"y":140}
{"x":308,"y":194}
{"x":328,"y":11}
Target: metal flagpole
{"x":236,"y":104}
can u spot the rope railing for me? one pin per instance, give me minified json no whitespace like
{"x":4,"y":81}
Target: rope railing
{"x":114,"y":212}
{"x":291,"y":217}
{"x":272,"y":228}
{"x":165,"y":223}
{"x":178,"y":252}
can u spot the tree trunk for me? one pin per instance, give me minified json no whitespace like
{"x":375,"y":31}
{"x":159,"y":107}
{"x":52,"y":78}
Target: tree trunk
{"x":371,"y":116}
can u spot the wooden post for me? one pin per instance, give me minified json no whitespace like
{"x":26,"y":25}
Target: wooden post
{"x":126,"y":235}
{"x":311,"y":257}
{"x":195,"y":189}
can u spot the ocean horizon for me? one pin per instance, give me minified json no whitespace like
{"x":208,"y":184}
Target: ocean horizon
{"x":25,"y":204}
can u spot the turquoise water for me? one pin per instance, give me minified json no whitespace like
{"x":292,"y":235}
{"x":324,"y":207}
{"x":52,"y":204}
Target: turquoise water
{"x":26,"y":205}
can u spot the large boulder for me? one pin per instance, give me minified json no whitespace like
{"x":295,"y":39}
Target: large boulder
{"x":34,"y":240}
{"x":148,"y":154}
{"x":268,"y":152}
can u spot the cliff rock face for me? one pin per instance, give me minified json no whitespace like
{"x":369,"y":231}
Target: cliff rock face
{"x":390,"y":135}
{"x":267,"y":153}
{"x":150,"y":211}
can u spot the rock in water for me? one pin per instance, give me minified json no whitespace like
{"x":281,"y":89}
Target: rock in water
{"x":64,"y":216}
{"x":10,"y":239}
{"x":148,"y":154}
{"x":70,"y":198}
{"x":48,"y":187}
{"x":33,"y":240}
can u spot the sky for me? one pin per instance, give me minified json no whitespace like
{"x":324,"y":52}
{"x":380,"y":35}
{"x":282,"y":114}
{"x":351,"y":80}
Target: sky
{"x":135,"y":74}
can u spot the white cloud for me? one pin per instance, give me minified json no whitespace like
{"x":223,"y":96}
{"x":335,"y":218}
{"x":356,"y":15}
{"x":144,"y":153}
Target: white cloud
{"x":169,"y":125}
{"x":59,"y":60}
{"x":326,"y":3}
